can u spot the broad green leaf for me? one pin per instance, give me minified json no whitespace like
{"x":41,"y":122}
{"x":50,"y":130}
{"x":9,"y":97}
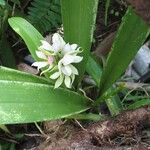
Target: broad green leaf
{"x":139,"y":104}
{"x":114,"y":105}
{"x":14,"y":75}
{"x":2,"y":2}
{"x":94,"y":69}
{"x":78,"y":21}
{"x":28,"y":33}
{"x":23,"y":102}
{"x":131,"y":35}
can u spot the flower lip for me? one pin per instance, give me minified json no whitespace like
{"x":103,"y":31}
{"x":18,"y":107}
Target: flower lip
{"x":50,"y":60}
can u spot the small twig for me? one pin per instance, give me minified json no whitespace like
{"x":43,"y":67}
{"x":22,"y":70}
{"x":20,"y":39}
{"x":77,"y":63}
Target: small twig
{"x":16,"y":43}
{"x":80,"y":89}
{"x":9,"y":140}
{"x":33,"y":135}
{"x":127,"y":94}
{"x":137,"y":86}
{"x":38,"y":127}
{"x":80,"y":125}
{"x":25,"y":4}
{"x":13,"y":10}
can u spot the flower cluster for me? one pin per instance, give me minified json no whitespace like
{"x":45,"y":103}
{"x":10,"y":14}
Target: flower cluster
{"x":58,"y":59}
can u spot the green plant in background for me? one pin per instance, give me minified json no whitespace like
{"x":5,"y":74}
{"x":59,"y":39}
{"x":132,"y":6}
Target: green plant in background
{"x":44,"y":15}
{"x":107,"y":4}
{"x":78,"y":22}
{"x":28,"y":98}
{"x":6,"y":55}
{"x":132,"y":31}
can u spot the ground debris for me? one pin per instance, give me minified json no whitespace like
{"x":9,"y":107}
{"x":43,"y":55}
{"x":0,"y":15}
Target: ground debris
{"x":101,"y":135}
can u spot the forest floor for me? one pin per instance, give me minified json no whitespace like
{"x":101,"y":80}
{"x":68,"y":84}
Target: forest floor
{"x":128,"y":131}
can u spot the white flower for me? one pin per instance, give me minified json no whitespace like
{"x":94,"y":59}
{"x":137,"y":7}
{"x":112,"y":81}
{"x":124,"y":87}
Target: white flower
{"x":46,"y":60}
{"x":69,"y":48}
{"x":66,"y":71}
{"x":58,"y":42}
{"x":58,"y":59}
{"x":46,"y":46}
{"x":68,"y":59}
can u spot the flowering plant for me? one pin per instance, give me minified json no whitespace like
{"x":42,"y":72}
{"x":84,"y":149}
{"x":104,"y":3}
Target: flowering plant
{"x":19,"y":105}
{"x":58,"y":59}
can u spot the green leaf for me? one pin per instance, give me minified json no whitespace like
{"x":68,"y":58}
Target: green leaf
{"x":23,"y":102}
{"x":14,"y":75}
{"x":114,"y":105}
{"x":131,"y":35}
{"x":139,"y":104}
{"x":107,"y":5}
{"x":78,"y":21}
{"x":89,"y":116}
{"x":2,"y":2}
{"x":29,"y":34}
{"x":94,"y":69}
{"x":12,"y":146}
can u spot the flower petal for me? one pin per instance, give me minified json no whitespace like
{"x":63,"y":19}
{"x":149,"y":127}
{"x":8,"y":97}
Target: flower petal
{"x":39,"y":64}
{"x":49,"y":68}
{"x":56,"y":48}
{"x":74,"y":69}
{"x":77,"y":59}
{"x":74,"y":46}
{"x":66,"y":70}
{"x":40,"y":54}
{"x":58,"y":82}
{"x":67,"y":48}
{"x":68,"y":59}
{"x":60,"y":65}
{"x":55,"y":75}
{"x":70,"y":49}
{"x":46,"y":46}
{"x":58,"y":42}
{"x":72,"y":78}
{"x":67,"y":81}
{"x":75,"y":52}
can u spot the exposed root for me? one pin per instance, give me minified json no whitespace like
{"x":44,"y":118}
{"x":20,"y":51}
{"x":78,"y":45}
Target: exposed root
{"x":128,"y":123}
